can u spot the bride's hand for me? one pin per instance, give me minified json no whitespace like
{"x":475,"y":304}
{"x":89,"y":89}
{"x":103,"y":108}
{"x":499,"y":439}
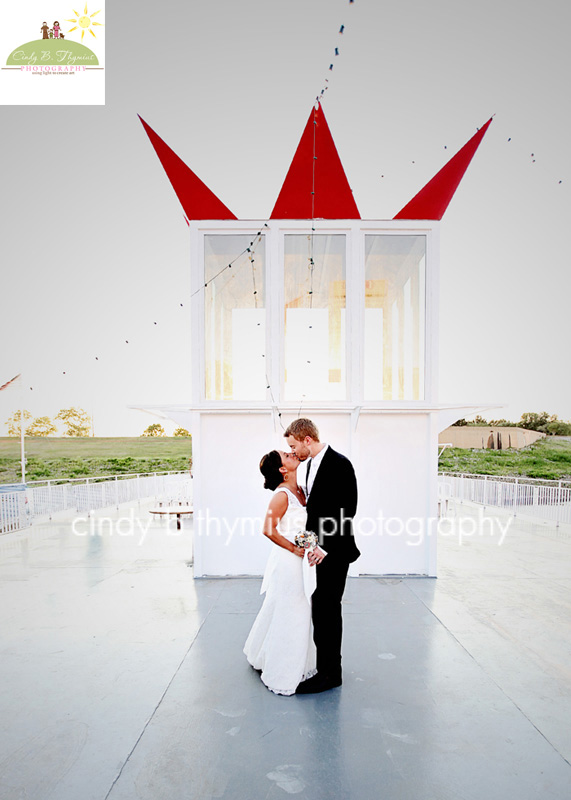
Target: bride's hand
{"x":298,"y":551}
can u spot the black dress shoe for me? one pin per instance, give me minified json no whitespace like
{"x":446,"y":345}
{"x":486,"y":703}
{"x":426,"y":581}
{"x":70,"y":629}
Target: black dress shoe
{"x":305,"y":686}
{"x":319,"y":683}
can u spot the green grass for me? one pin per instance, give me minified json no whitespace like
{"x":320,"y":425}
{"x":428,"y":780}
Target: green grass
{"x":548,"y":458}
{"x":61,"y":457}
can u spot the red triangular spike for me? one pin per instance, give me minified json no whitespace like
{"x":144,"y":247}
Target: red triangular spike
{"x":323,"y":195}
{"x":432,"y":201}
{"x":196,"y":198}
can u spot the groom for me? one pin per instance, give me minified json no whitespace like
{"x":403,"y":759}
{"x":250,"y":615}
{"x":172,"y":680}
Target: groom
{"x":331,"y":490}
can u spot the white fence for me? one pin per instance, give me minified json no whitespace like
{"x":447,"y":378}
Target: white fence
{"x":41,"y":499}
{"x":526,"y":497}
{"x":13,"y":511}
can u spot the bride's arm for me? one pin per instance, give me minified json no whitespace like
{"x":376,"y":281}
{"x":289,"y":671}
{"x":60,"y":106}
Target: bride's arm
{"x":276,"y":510}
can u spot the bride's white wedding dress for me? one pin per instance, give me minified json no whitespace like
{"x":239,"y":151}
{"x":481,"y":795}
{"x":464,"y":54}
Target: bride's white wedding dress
{"x":280,"y":643}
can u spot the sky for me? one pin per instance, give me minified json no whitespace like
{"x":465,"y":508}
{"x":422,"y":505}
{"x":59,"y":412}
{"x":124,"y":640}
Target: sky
{"x":95,"y":248}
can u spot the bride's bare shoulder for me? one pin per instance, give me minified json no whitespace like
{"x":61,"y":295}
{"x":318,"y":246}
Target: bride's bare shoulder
{"x":279,"y":502}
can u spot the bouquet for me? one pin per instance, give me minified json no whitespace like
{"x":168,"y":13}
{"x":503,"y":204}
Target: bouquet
{"x":306,"y":539}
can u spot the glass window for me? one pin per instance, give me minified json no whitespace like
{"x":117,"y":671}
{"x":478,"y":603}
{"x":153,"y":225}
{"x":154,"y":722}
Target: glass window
{"x":314,"y":275}
{"x":395,"y":273}
{"x":234,"y":317}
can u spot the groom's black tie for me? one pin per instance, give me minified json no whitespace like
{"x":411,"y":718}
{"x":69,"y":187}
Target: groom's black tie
{"x":307,"y":477}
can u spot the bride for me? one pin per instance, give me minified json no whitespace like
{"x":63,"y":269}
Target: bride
{"x":280,"y":644}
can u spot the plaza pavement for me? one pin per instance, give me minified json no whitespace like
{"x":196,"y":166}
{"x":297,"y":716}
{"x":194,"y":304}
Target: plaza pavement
{"x":121,"y":677}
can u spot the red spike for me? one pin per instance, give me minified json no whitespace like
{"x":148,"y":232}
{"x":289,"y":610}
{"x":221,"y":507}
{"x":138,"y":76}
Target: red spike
{"x":196,"y":198}
{"x":332,"y":197}
{"x":432,"y":201}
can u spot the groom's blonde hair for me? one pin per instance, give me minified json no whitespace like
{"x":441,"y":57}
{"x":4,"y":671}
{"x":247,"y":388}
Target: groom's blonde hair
{"x":300,"y":428}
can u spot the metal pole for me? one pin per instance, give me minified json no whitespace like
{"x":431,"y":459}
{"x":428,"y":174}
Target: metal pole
{"x":22,"y":451}
{"x":516,"y":490}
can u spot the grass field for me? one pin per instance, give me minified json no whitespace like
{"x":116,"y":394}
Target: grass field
{"x":61,"y":457}
{"x":548,"y":458}
{"x":53,"y":457}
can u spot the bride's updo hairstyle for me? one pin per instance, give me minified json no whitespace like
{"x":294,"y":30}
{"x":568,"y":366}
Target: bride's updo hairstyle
{"x":270,"y":468}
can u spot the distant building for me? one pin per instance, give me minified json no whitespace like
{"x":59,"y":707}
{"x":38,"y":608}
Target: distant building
{"x":488,"y":437}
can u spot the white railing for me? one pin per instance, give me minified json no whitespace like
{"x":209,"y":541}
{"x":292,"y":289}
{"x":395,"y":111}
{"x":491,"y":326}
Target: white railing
{"x":13,"y":511}
{"x":41,"y":499}
{"x":522,"y":496}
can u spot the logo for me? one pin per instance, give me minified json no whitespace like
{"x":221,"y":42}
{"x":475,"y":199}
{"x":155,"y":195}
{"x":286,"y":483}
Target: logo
{"x":55,"y":50}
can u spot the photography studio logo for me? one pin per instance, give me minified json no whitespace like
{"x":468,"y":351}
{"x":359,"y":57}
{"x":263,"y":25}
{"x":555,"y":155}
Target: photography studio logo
{"x":55,"y":49}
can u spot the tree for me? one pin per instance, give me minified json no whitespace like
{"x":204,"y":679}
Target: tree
{"x":76,"y":420}
{"x":558,"y":428}
{"x":460,"y":423}
{"x":156,"y":429}
{"x":41,"y":426}
{"x":181,"y":432}
{"x":13,"y":422}
{"x":536,"y":422}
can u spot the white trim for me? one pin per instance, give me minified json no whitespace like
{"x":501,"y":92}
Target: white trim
{"x":355,"y":314}
{"x":390,"y":407}
{"x":431,"y":289}
{"x":274,"y":317}
{"x":196,"y":433}
{"x":196,"y":316}
{"x":279,"y":273}
{"x":431,"y":493}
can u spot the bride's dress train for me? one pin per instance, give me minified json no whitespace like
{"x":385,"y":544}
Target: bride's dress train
{"x":280,"y":643}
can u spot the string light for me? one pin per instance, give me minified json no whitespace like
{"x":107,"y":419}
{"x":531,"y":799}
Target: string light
{"x":273,"y":401}
{"x":336,"y":52}
{"x":311,"y":260}
{"x":250,"y":252}
{"x":531,"y":159}
{"x":229,"y":266}
{"x":311,"y":255}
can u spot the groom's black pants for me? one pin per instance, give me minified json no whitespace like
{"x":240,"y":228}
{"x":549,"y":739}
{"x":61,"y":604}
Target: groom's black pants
{"x":326,"y":614}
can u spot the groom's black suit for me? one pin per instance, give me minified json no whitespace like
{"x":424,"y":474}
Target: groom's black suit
{"x":331,"y":506}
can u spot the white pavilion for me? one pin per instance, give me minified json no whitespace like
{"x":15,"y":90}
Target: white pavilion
{"x":318,"y":313}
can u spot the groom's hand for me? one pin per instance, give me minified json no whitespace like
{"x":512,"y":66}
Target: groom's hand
{"x":315,"y":556}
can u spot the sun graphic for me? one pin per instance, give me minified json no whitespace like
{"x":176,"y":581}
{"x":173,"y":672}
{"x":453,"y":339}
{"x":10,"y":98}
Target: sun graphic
{"x":84,"y":22}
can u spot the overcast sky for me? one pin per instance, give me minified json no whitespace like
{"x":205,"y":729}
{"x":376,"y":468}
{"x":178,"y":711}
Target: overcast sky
{"x":95,"y":248}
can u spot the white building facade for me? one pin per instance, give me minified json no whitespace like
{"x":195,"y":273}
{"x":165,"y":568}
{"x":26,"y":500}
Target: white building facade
{"x":333,"y":320}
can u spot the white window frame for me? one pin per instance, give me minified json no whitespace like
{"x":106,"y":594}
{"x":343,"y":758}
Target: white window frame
{"x":355,"y":232}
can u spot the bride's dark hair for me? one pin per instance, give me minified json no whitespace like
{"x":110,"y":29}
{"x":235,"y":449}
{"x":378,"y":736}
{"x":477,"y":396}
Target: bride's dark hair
{"x":270,"y":469}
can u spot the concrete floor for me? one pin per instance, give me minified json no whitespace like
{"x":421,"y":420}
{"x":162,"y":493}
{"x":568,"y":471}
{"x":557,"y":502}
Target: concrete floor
{"x":122,"y":678}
